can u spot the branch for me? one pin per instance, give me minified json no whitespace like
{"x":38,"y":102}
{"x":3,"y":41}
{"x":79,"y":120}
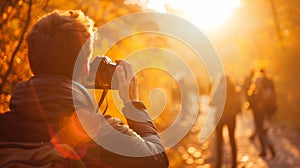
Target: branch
{"x":46,"y":4}
{"x":4,"y":78}
{"x":276,"y":22}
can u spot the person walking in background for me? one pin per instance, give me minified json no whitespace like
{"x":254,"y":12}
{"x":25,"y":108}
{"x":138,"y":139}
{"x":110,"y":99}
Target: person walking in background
{"x":246,"y":91}
{"x":263,"y":103}
{"x":231,"y":108}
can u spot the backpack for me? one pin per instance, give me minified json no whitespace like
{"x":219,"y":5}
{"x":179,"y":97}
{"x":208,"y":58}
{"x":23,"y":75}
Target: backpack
{"x":33,"y":155}
{"x":267,"y":97}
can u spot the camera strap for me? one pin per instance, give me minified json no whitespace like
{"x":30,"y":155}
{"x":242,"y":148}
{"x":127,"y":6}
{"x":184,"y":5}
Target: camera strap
{"x":104,"y":93}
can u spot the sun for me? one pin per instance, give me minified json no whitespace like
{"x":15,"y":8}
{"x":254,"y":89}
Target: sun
{"x":206,"y":14}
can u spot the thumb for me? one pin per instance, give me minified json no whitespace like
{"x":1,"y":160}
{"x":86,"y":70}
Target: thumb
{"x":121,"y":76}
{"x":123,"y":86}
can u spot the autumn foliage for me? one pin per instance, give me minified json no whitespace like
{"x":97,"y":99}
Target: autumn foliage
{"x":262,"y":33}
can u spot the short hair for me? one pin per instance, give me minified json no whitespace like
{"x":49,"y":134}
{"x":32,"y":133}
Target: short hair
{"x":55,"y":41}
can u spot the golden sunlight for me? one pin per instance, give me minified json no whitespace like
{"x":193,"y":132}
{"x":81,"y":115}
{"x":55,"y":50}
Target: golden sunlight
{"x":206,"y":14}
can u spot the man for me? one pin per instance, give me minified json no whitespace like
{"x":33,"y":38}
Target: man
{"x":232,"y":107}
{"x":263,"y":100}
{"x":54,"y":107}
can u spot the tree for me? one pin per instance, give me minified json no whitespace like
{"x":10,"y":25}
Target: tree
{"x":16,"y":17}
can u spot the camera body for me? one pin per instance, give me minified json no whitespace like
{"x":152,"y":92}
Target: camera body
{"x":102,"y":74}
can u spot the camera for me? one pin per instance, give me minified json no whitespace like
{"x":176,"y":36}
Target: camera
{"x":102,"y":75}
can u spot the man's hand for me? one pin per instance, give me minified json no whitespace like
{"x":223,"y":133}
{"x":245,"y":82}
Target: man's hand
{"x":127,"y":82}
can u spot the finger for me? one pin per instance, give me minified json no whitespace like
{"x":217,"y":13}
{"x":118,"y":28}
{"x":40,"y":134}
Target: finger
{"x":130,"y":74}
{"x":123,"y":86}
{"x":121,"y":76}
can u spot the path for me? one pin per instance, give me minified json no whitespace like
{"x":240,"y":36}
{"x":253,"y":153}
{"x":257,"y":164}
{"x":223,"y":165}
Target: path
{"x":190,"y":153}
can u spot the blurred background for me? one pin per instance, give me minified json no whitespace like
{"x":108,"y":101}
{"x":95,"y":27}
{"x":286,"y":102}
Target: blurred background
{"x":247,"y":34}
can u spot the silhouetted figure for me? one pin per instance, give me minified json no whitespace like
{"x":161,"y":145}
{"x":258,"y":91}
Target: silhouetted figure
{"x":246,"y":91}
{"x":263,"y":103}
{"x":231,"y":108}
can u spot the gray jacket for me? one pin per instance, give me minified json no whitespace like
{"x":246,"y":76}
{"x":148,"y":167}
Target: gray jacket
{"x":41,"y":106}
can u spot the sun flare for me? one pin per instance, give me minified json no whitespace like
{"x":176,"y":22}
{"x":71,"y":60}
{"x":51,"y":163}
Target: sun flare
{"x":206,"y":14}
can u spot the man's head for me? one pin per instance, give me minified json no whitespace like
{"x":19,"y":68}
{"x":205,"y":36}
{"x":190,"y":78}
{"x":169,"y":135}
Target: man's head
{"x":55,"y":41}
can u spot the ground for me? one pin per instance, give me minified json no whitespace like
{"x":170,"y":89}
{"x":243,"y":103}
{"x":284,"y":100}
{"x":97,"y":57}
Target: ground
{"x":191,"y":153}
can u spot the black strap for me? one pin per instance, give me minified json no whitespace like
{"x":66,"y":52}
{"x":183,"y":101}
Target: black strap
{"x":104,"y":93}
